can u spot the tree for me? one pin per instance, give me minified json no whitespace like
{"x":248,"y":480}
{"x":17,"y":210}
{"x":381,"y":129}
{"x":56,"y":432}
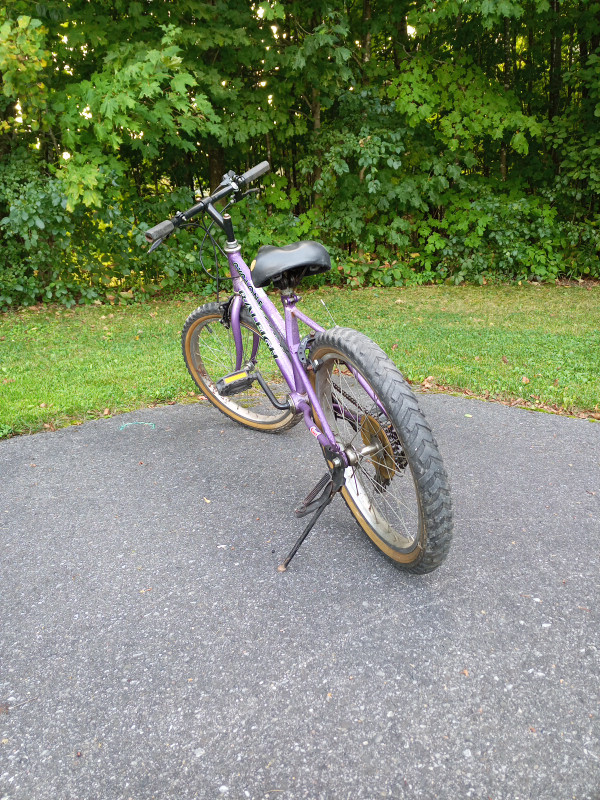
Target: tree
{"x":396,"y":128}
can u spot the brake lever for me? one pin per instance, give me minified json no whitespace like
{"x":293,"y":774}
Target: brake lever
{"x":154,"y":245}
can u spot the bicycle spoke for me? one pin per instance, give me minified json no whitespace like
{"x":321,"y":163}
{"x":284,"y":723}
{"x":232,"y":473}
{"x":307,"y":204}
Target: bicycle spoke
{"x":214,"y":355}
{"x":379,"y":482}
{"x":384,"y":497}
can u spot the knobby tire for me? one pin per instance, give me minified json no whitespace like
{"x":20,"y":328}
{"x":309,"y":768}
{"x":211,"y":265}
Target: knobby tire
{"x":400,"y":494}
{"x":209,"y":354}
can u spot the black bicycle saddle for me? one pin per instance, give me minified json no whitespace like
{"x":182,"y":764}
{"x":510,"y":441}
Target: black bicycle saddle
{"x":285,"y":266}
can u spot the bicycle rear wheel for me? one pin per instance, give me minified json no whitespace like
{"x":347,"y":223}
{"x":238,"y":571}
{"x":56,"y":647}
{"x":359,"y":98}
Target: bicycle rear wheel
{"x":396,"y":486}
{"x":209,"y":353}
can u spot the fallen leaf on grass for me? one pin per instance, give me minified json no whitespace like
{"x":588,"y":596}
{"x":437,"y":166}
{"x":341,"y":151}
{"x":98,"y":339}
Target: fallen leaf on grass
{"x":525,"y":379}
{"x":505,"y":359}
{"x":552,"y":408}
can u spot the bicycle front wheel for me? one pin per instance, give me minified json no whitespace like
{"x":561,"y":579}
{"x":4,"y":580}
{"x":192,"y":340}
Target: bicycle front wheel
{"x":210,"y":354}
{"x":396,"y":486}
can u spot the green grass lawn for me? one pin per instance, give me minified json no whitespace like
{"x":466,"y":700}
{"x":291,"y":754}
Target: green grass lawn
{"x":539,"y":345}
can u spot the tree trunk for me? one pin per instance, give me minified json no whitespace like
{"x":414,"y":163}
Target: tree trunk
{"x":316,"y":115}
{"x":215,"y":165}
{"x":530,"y":45}
{"x":583,"y":50}
{"x":366,"y":43}
{"x":571,"y":48}
{"x":316,"y":108}
{"x":506,"y":41}
{"x":300,"y":207}
{"x":555,"y":82}
{"x":268,"y":143}
{"x":595,"y":37}
{"x":401,"y":43}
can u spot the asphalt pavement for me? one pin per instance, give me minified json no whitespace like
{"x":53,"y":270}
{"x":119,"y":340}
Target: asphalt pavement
{"x":150,"y":649}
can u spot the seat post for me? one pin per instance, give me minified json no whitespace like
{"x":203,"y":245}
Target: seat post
{"x":289,"y":298}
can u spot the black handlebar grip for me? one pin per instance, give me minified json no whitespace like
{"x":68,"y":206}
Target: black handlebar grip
{"x":160,"y":231}
{"x":255,"y":172}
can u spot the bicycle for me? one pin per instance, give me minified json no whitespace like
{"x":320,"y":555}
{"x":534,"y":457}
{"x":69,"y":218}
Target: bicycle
{"x":252,"y":364}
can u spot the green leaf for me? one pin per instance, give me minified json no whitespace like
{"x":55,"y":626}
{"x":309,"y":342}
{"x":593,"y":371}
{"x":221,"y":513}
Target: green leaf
{"x":520,"y":143}
{"x":108,"y":107}
{"x":181,"y":81}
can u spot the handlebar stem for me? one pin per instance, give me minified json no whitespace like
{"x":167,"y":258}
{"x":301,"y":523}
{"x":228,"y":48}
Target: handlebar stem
{"x":228,"y":228}
{"x":214,"y":214}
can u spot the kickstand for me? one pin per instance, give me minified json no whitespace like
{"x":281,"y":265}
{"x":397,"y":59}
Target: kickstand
{"x":330,"y":483}
{"x":304,"y":534}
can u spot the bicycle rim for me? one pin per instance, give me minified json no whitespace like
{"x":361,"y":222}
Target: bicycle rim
{"x":379,"y":489}
{"x":210,"y":354}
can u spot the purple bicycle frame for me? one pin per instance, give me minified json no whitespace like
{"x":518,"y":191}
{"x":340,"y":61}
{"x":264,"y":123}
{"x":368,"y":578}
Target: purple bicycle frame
{"x":273,"y":328}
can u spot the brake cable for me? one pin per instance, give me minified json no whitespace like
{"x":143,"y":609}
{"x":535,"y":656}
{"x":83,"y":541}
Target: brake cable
{"x":217,"y":277}
{"x":216,"y":246}
{"x":216,"y":249}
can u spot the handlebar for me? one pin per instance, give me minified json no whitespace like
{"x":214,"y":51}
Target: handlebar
{"x":160,"y":231}
{"x":255,"y":172}
{"x":231,"y":183}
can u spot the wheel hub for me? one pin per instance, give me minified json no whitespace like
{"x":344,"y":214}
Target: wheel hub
{"x":382,"y":448}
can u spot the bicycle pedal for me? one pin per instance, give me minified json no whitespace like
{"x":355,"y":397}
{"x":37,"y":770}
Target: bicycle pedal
{"x":235,"y":382}
{"x":309,"y":504}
